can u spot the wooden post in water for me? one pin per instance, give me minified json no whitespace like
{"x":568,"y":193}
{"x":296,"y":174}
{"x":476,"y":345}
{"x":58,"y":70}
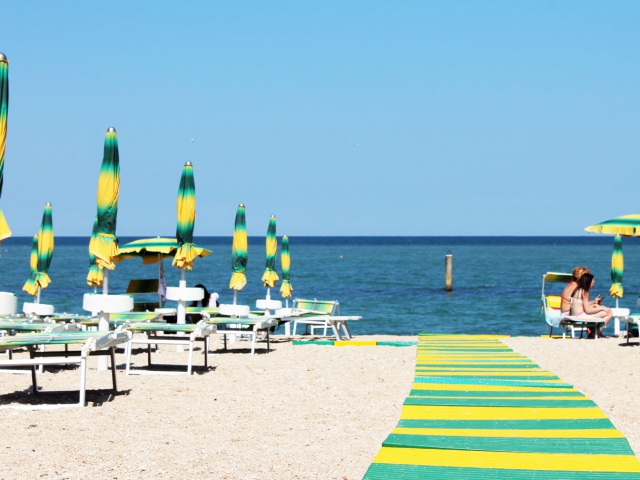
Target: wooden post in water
{"x":448,"y":272}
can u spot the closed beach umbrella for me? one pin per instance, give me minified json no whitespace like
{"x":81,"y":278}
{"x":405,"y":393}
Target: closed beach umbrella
{"x":285,"y":260}
{"x":617,"y":269}
{"x":239,"y":252}
{"x":45,"y":248}
{"x":105,"y":245}
{"x":186,"y":208}
{"x":96,"y":274}
{"x":4,"y":109}
{"x":30,"y":285}
{"x":270,"y":277}
{"x":627,"y":226}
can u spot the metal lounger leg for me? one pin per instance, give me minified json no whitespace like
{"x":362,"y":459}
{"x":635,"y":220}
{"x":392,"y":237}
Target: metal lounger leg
{"x":83,"y":380}
{"x":112,"y":352}
{"x":206,"y":352}
{"x":129,"y":347}
{"x":190,"y":356}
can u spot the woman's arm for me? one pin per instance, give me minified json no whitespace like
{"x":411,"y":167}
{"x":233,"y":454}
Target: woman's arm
{"x":592,"y":307}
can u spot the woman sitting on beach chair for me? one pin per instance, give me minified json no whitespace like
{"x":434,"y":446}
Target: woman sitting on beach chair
{"x":565,"y":305}
{"x":581,"y":304}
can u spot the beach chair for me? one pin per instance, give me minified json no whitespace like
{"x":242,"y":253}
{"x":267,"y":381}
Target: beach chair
{"x":320,"y":315}
{"x":155,"y":333}
{"x":551,"y":310}
{"x":144,"y":287}
{"x":234,"y":327}
{"x":92,"y":343}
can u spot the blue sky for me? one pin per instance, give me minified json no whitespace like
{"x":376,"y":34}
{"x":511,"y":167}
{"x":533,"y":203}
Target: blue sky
{"x":341,"y":118}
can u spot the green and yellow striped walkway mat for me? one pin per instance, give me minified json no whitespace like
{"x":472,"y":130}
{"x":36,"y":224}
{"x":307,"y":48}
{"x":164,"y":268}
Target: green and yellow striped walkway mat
{"x":478,"y":409}
{"x":356,"y":343}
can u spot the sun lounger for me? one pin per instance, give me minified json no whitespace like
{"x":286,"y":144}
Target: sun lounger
{"x":93,"y":343}
{"x":320,"y":314}
{"x":245,"y":326}
{"x":155,"y":333}
{"x":124,"y":318}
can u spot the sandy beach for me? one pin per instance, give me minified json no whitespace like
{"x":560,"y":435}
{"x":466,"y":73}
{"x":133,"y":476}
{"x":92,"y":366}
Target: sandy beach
{"x":606,"y":370}
{"x":298,"y":412}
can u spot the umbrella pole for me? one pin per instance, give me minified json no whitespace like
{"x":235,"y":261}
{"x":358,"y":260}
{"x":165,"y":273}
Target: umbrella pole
{"x":38,"y":297}
{"x":105,"y":282}
{"x":235,"y":296}
{"x":268,"y":293}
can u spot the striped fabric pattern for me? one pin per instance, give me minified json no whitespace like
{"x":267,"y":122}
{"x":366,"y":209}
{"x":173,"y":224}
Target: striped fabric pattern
{"x":285,"y":260}
{"x":239,"y":253}
{"x":152,"y":250}
{"x":4,"y":110}
{"x":187,"y":252}
{"x":105,"y":246}
{"x":95,"y":277}
{"x":270,"y":277}
{"x":627,"y":226}
{"x":30,"y":286}
{"x":478,"y":409}
{"x":5,"y":232}
{"x":617,"y":269}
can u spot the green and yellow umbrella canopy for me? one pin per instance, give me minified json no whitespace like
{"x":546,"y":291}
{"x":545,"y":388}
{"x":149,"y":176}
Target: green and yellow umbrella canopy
{"x":617,"y":269}
{"x":239,"y":252}
{"x":45,"y":253}
{"x":627,"y":226}
{"x":186,"y":208}
{"x":30,"y":286}
{"x":5,"y":232}
{"x":270,"y":277}
{"x":151,"y":250}
{"x":96,"y":274}
{"x":285,"y":260}
{"x":105,"y":245}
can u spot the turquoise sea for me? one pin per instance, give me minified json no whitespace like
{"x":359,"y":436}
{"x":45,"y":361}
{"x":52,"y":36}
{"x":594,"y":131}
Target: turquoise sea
{"x":395,"y":283}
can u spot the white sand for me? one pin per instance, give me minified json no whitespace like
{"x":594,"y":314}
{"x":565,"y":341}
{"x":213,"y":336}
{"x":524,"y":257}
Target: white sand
{"x":316,"y":412}
{"x":605,"y":370}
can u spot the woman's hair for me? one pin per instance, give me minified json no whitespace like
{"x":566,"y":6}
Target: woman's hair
{"x":205,"y":300}
{"x":585,"y":282}
{"x":579,"y":272}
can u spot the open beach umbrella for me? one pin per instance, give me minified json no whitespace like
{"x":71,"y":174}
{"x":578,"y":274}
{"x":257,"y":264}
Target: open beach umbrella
{"x":270,"y":277}
{"x":186,"y":209}
{"x":105,"y":245}
{"x":285,"y":260}
{"x":96,"y":274}
{"x":5,"y":232}
{"x":627,"y":226}
{"x":152,"y":250}
{"x":30,"y":286}
{"x":617,"y":269}
{"x":45,"y":253}
{"x":239,"y":252}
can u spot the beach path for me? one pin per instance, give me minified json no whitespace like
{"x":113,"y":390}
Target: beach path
{"x":479,"y":409}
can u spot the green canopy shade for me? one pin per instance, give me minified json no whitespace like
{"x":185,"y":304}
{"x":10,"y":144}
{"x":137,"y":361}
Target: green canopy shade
{"x":627,"y":226}
{"x":152,"y":250}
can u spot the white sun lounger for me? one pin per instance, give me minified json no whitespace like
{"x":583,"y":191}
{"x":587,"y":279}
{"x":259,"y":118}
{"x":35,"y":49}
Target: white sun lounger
{"x":93,"y":343}
{"x":321,"y":315}
{"x":155,"y":335}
